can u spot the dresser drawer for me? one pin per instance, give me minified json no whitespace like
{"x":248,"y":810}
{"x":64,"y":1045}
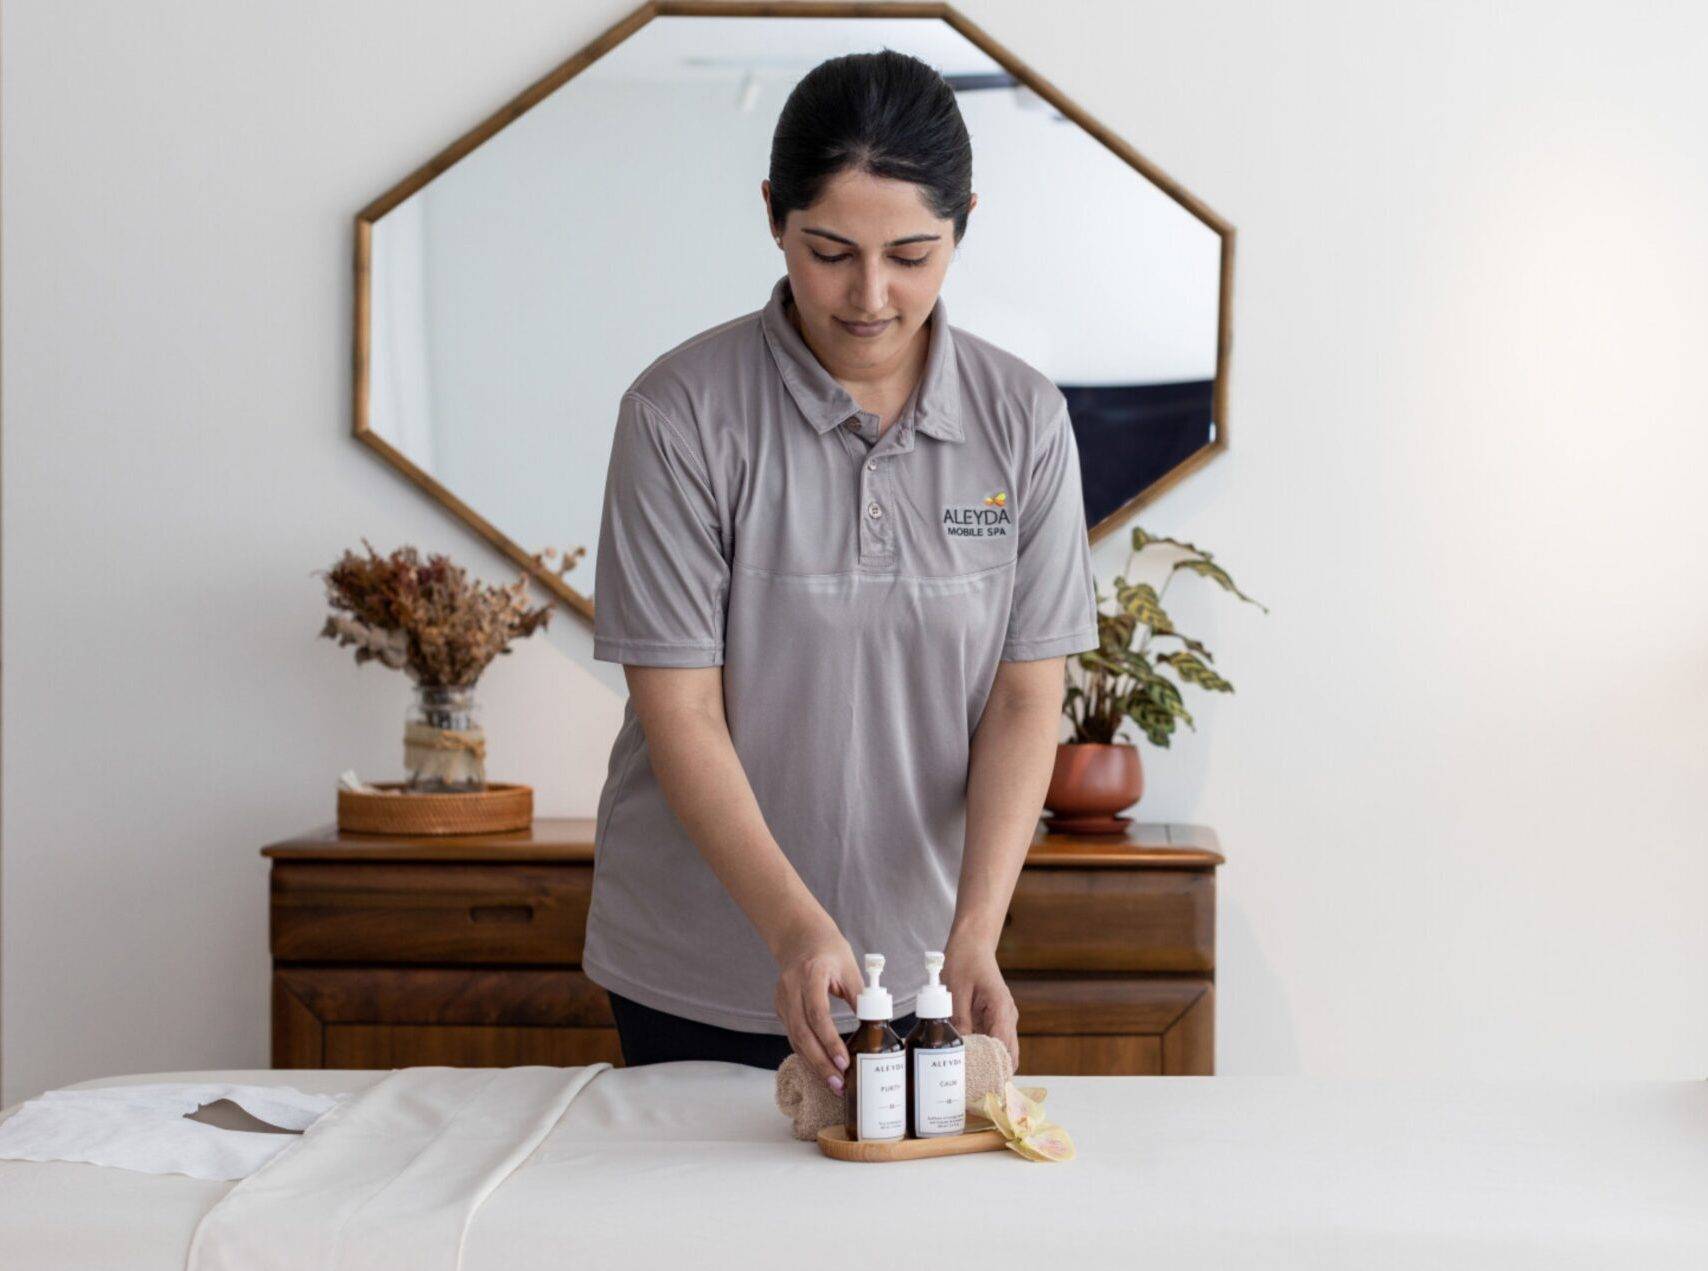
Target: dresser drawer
{"x":1115,"y":1024}
{"x":424,"y":913}
{"x":476,"y":1016}
{"x":1108,"y":919}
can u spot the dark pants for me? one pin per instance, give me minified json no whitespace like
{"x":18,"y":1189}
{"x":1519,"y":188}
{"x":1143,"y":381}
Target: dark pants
{"x":649,"y":1036}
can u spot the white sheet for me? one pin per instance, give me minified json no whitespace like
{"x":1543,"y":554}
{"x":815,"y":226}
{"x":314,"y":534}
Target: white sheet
{"x":1173,"y":1172}
{"x":690,"y":1164}
{"x":389,"y":1180}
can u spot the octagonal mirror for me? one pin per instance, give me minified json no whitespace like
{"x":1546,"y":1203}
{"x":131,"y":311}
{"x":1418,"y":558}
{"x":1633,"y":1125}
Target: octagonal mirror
{"x":510,"y":289}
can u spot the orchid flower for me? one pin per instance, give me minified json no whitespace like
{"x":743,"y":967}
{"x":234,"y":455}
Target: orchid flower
{"x":1018,"y":1112}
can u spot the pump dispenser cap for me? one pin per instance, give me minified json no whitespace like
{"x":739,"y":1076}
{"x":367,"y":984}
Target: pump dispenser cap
{"x":933,"y":1001}
{"x":875,"y":1002}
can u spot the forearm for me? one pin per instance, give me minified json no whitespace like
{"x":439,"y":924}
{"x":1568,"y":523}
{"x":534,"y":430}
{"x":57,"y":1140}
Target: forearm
{"x":708,"y":790}
{"x":1012,"y":756}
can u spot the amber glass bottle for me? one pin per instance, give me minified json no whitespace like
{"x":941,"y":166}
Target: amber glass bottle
{"x":936,"y":1063}
{"x":874,"y":1098}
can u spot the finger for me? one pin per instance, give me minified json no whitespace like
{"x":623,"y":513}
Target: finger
{"x":982,"y":1019}
{"x":846,"y":985}
{"x":1006,"y":1026}
{"x":812,"y":1054}
{"x":853,"y":981}
{"x":794,"y":1024}
{"x":823,"y":1028}
{"x":979,"y":1010}
{"x":849,"y":981}
{"x":962,"y":1019}
{"x":961,"y":1015}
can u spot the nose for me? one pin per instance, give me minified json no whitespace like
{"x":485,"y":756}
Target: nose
{"x":870,"y":295}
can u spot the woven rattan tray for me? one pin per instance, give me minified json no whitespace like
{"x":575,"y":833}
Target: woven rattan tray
{"x":497,"y":808}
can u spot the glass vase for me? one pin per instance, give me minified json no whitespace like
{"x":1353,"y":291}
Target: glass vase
{"x":444,"y":750}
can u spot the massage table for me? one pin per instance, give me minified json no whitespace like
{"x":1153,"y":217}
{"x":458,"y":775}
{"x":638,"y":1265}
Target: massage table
{"x":691,"y":1165}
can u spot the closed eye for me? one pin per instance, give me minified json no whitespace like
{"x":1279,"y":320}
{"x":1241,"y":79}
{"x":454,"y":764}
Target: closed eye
{"x":910,"y":262}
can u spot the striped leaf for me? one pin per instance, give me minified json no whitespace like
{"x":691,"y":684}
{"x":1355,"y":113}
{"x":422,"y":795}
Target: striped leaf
{"x":1142,"y":602}
{"x":1167,"y":697}
{"x":1189,"y":642}
{"x":1156,"y":723}
{"x":1216,"y":574}
{"x":1192,"y":671}
{"x":1142,"y":540}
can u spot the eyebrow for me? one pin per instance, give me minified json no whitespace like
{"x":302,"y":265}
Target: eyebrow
{"x":896,"y":242}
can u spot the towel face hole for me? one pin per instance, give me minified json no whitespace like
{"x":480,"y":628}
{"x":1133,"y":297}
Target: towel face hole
{"x":223,"y":1114}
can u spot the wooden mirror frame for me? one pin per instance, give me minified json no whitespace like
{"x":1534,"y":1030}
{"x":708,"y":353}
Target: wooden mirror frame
{"x":615,"y":35}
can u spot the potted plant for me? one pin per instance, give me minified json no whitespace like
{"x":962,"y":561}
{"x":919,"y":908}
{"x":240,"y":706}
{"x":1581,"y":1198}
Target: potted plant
{"x":426,"y":619}
{"x":1123,"y":681}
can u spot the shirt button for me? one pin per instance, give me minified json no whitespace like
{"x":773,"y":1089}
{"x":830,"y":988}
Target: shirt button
{"x":874,"y":511}
{"x":853,"y":425}
{"x":872,"y":465}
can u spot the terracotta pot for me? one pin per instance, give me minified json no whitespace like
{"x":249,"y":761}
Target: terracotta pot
{"x":1091,"y":784}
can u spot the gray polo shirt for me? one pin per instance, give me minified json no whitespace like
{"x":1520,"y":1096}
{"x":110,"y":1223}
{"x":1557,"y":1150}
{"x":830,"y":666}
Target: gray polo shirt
{"x":858,"y":592}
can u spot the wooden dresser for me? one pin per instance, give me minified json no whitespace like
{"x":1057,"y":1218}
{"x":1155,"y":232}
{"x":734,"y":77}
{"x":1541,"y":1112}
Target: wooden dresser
{"x":389,"y":952}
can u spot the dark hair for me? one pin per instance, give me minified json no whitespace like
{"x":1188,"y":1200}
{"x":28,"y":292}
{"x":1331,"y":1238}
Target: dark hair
{"x":885,"y":113}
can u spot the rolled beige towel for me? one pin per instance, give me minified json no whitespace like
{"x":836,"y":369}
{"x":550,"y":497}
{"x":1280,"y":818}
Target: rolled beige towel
{"x":811,"y":1105}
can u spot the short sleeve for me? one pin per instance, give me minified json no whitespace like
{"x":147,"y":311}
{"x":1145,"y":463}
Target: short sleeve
{"x":1054,"y":611}
{"x":660,"y":580}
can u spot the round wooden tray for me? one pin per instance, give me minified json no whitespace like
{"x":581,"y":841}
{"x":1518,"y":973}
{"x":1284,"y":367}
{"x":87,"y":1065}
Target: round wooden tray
{"x":981,"y":1136}
{"x":498,"y":808}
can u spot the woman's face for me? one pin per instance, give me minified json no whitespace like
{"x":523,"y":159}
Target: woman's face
{"x":865,"y":265}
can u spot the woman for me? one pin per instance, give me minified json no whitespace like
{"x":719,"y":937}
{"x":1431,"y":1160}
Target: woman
{"x":842,"y":557}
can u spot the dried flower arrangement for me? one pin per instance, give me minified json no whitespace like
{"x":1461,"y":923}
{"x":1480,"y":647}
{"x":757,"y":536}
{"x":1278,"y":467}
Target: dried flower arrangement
{"x":426,"y":618}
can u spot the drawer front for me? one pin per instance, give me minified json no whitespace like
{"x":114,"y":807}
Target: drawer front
{"x":424,"y":913}
{"x":1090,"y":1055}
{"x":398,"y":1016}
{"x":1111,"y":920}
{"x":1115,"y":1025}
{"x":1070,"y":1006}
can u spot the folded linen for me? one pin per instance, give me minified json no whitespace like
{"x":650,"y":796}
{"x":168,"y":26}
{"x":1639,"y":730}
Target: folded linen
{"x":811,"y":1105}
{"x":145,"y":1127}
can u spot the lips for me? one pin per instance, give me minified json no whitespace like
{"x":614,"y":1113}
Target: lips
{"x":866,"y":329}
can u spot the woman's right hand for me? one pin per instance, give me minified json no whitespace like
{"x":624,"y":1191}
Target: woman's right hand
{"x":811,"y":966}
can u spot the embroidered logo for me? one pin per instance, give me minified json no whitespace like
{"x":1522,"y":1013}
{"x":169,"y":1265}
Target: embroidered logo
{"x":991,"y":519}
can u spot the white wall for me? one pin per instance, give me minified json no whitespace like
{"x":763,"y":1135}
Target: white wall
{"x":1459,"y":786}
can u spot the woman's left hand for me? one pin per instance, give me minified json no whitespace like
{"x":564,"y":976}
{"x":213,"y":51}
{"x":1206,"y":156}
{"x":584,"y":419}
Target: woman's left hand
{"x":983,"y":1003}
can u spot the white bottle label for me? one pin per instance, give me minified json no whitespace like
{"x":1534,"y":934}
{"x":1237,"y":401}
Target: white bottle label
{"x":882,"y":1095}
{"x":939,"y":1091}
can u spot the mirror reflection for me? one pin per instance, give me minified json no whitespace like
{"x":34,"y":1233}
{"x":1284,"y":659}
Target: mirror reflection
{"x":514,"y":296}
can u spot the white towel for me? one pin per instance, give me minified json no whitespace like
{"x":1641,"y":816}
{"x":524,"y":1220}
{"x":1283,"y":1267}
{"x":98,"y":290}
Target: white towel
{"x":145,"y":1128}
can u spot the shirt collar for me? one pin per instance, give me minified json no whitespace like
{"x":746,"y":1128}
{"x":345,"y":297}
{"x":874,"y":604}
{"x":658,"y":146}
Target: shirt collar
{"x":825,"y":403}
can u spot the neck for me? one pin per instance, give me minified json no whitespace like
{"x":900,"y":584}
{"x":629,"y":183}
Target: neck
{"x":883,"y":384}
